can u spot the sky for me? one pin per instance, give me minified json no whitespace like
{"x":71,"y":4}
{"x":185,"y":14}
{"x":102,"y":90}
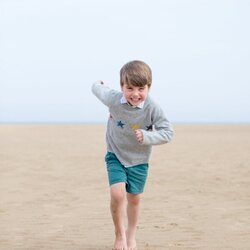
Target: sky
{"x":51,"y":51}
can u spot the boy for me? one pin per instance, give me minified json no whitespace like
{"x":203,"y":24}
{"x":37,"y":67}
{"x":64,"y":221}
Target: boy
{"x":135,"y":124}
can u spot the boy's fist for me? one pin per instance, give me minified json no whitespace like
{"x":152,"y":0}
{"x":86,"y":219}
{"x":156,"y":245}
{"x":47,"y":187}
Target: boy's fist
{"x":139,"y":135}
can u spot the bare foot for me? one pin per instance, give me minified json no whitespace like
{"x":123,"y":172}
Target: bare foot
{"x":132,"y":246}
{"x":120,"y":243}
{"x":131,"y":241}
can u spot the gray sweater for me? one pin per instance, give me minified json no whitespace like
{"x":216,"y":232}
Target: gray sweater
{"x":124,"y":119}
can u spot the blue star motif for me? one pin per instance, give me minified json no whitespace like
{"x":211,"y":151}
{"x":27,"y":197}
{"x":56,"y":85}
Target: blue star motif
{"x":120,"y":124}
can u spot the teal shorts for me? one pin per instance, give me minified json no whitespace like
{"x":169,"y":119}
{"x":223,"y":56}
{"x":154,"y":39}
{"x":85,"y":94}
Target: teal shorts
{"x":134,"y":177}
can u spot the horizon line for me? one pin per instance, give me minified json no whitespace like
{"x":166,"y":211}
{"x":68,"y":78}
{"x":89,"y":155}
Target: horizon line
{"x":104,"y":123}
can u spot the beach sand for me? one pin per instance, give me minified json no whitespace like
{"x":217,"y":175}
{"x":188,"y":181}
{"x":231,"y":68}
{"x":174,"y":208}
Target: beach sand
{"x":54,"y":191}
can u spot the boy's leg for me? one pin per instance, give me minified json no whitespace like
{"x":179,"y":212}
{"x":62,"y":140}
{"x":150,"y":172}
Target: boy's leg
{"x":117,"y":179}
{"x":133,"y":208}
{"x":117,"y":208}
{"x":136,"y":180}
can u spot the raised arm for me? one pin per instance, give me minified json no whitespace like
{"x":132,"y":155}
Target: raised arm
{"x":103,"y":92}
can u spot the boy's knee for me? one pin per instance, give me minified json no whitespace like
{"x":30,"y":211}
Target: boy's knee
{"x":117,"y":197}
{"x":134,"y":199}
{"x":117,"y":194}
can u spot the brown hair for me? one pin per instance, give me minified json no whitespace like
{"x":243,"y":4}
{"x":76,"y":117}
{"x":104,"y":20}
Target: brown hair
{"x":136,"y":73}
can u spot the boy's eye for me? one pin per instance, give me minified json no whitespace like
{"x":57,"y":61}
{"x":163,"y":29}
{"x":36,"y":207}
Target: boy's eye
{"x":142,"y":89}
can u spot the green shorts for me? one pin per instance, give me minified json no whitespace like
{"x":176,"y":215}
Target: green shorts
{"x":134,"y":177}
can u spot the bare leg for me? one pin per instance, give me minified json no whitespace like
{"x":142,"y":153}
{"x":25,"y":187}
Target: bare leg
{"x":133,"y":217}
{"x":117,"y":208}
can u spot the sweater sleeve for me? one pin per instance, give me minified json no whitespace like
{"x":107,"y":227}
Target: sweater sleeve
{"x":162,"y":129}
{"x":104,"y":93}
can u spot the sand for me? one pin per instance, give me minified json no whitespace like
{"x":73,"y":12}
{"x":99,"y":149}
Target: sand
{"x":54,"y":192}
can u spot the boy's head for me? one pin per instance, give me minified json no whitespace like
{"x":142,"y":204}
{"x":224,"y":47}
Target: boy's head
{"x":135,"y":80}
{"x":136,"y":73}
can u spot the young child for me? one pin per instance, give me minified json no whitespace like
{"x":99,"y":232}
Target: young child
{"x":136,"y":123}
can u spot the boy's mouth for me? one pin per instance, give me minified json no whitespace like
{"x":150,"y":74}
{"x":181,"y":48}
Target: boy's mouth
{"x":134,"y":102}
{"x":135,"y":99}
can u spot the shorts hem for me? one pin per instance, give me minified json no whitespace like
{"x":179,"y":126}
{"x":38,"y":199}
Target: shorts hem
{"x":115,"y":182}
{"x":130,"y":192}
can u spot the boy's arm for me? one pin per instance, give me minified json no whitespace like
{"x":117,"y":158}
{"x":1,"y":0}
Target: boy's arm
{"x":103,"y":92}
{"x":162,"y":131}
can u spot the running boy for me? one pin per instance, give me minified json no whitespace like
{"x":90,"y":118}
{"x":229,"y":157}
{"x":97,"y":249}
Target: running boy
{"x":136,"y":123}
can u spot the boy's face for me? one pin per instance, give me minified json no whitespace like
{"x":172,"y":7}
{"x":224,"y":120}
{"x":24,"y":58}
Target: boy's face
{"x":135,"y":95}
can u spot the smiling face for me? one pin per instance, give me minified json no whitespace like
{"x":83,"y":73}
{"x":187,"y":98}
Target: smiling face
{"x":134,"y":94}
{"x":135,"y":80}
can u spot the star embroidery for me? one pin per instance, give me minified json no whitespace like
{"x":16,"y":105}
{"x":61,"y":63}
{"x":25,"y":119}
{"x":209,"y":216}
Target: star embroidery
{"x":149,"y":128}
{"x":120,"y":124}
{"x":135,"y":127}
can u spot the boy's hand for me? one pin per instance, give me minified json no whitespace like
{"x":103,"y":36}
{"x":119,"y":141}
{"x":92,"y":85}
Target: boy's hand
{"x":139,"y":135}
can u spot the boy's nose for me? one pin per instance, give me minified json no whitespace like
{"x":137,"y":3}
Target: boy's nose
{"x":135,"y":93}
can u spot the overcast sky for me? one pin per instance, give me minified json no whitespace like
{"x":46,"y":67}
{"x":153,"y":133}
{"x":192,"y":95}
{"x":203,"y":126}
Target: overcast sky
{"x":51,"y":51}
